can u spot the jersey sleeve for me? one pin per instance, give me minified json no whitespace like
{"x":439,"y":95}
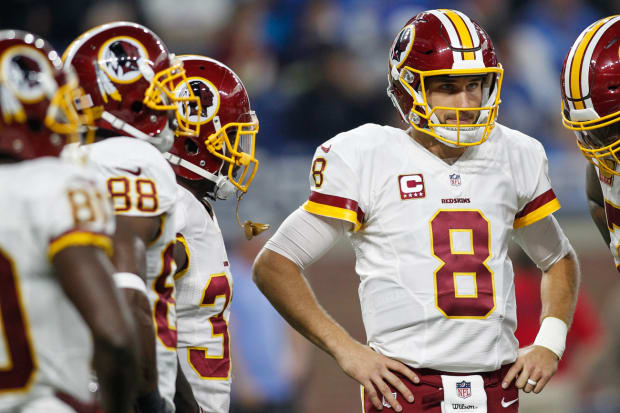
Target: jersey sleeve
{"x":536,"y":199}
{"x":334,"y":185}
{"x":74,"y":212}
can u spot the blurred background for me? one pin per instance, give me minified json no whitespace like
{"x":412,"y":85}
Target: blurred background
{"x":314,"y":68}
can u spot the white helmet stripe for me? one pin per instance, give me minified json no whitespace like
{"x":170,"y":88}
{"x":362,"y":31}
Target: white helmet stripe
{"x":452,"y":34}
{"x":577,"y":64}
{"x":569,"y":65}
{"x":470,"y":26}
{"x":474,"y":35}
{"x":463,"y":35}
{"x":585,"y":85}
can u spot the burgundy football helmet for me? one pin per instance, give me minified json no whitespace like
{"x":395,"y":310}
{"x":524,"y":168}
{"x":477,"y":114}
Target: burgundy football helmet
{"x":128,"y":77}
{"x":223,"y":153}
{"x":37,"y":117}
{"x":591,"y":92}
{"x":443,"y":43}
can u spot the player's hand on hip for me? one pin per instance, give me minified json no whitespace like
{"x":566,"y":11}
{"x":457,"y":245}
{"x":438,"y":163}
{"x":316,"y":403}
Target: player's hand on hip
{"x":533,"y":369}
{"x":374,"y":371}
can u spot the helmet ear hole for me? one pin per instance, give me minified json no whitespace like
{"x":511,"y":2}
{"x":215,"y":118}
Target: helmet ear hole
{"x":191,"y":147}
{"x":35,"y":125}
{"x":137,"y":106}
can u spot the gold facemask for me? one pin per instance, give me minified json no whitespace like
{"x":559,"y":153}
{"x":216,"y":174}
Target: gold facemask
{"x":238,"y":152}
{"x":423,"y":109}
{"x":606,"y":157}
{"x":160,"y":96}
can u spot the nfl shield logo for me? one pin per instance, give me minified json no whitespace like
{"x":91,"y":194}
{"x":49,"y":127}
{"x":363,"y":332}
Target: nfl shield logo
{"x":455,"y":179}
{"x":463,"y":389}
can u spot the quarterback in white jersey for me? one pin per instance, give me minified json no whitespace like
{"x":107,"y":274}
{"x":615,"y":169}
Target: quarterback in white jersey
{"x":57,"y":297}
{"x":429,"y":212}
{"x":214,"y":165}
{"x":431,"y":239}
{"x":128,"y":74}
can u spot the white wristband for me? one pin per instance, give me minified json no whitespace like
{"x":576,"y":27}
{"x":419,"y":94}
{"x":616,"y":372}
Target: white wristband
{"x":129,"y":280}
{"x":552,"y":335}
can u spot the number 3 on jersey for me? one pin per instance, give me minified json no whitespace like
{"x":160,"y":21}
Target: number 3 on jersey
{"x":464,"y":286}
{"x":214,"y":367}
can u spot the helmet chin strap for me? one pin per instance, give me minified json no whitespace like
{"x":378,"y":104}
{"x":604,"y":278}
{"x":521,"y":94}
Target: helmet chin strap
{"x":163,"y":141}
{"x":223,"y":190}
{"x":221,"y":182}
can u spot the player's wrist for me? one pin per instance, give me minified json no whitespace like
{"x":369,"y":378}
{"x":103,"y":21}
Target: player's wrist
{"x":552,"y":335}
{"x":340,"y":346}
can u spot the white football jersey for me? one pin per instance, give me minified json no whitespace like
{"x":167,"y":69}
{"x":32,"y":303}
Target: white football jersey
{"x":431,"y":239}
{"x":204,"y":291}
{"x":610,"y":186}
{"x":140,"y":182}
{"x":47,"y":205}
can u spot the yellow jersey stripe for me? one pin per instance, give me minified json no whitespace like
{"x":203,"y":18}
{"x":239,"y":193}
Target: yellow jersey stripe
{"x":333,"y":212}
{"x":180,"y":274}
{"x":538,"y":214}
{"x":162,"y":224}
{"x":362,"y":395}
{"x":78,"y":238}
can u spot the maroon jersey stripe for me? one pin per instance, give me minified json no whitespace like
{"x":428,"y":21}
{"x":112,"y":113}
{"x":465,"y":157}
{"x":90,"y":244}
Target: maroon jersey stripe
{"x":536,"y":203}
{"x":612,"y":213}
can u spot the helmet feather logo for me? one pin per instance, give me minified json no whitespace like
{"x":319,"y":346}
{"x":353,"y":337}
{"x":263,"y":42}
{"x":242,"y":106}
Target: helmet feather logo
{"x":28,"y":74}
{"x":121,"y":57}
{"x":402,"y":46}
{"x":209,"y":99}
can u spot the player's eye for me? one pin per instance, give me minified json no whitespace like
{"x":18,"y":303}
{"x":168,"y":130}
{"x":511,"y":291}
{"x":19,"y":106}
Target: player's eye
{"x":471,"y":86}
{"x":446,"y":87}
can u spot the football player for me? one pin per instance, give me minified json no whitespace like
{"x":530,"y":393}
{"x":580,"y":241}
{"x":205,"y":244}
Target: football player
{"x":430,"y":211}
{"x":128,"y":77}
{"x":216,"y":165}
{"x":591,"y":107}
{"x":590,"y":84}
{"x":57,"y":297}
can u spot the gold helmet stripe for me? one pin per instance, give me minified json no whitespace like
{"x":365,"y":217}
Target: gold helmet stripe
{"x":576,"y":92}
{"x":462,"y":35}
{"x":465,"y":36}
